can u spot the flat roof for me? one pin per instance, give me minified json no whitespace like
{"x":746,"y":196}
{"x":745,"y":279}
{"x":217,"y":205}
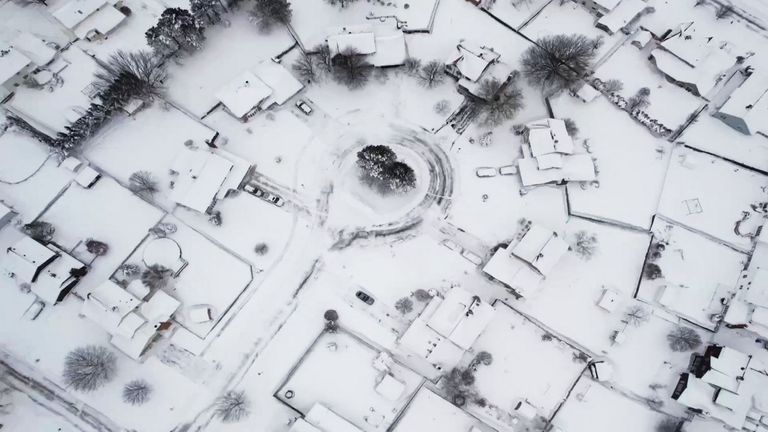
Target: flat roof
{"x":390,"y":50}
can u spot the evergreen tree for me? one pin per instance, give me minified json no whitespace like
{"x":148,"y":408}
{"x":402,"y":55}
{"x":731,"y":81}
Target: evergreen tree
{"x":176,"y":30}
{"x":208,"y":12}
{"x":271,"y":12}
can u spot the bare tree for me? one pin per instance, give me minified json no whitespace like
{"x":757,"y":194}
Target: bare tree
{"x":129,"y":74}
{"x":271,"y":12}
{"x":432,"y":74}
{"x":232,"y":406}
{"x":404,"y":305}
{"x":412,"y":65}
{"x":683,"y":339}
{"x":307,"y":68}
{"x":143,"y":184}
{"x":554,"y":63}
{"x":137,"y":392}
{"x":636,"y":315}
{"x":350,"y":69}
{"x":88,"y":368}
{"x":156,"y":276}
{"x":498,"y":102}
{"x":39,"y":230}
{"x":639,"y":101}
{"x":585,"y":245}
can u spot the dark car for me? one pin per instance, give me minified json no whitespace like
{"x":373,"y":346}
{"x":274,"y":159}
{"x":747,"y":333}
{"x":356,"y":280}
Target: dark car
{"x":365,"y":298}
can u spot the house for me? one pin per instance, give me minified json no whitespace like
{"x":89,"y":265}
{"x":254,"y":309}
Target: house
{"x":692,"y":59}
{"x":62,"y":95}
{"x":447,"y":328}
{"x":522,"y":266}
{"x":279,"y":80}
{"x":724,"y":384}
{"x":621,"y":16}
{"x":133,"y":324}
{"x":89,"y":19}
{"x":49,"y":272}
{"x":548,"y":155}
{"x":243,"y":96}
{"x":198,"y":175}
{"x":746,"y":110}
{"x":381,"y":45}
{"x":498,"y":71}
{"x":470,"y":61}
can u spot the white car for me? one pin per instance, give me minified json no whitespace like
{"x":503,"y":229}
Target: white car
{"x":508,"y":170}
{"x":304,"y":107}
{"x":486,"y":172}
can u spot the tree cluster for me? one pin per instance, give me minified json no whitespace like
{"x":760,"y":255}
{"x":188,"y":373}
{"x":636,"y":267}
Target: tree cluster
{"x":271,"y":12}
{"x":382,"y":171}
{"x":207,"y":12}
{"x":177,"y":30}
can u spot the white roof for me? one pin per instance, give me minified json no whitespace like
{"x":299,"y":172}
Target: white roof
{"x":362,"y":42}
{"x":243,"y":94}
{"x":461,"y":317}
{"x":472,"y":59}
{"x":34,"y":48}
{"x":749,"y":102}
{"x":12,"y":61}
{"x":87,"y":176}
{"x":75,"y":11}
{"x":576,"y":167}
{"x":687,"y":44}
{"x":159,"y":308}
{"x":55,"y":277}
{"x":540,"y":247}
{"x":103,"y":21}
{"x":301,"y":425}
{"x":108,"y":304}
{"x":430,"y":345}
{"x":549,"y":136}
{"x":390,"y":50}
{"x":329,"y":421}
{"x":200,"y":175}
{"x":390,"y":387}
{"x":608,"y":4}
{"x":25,"y":259}
{"x":277,"y":77}
{"x":622,"y":14}
{"x":513,"y":272}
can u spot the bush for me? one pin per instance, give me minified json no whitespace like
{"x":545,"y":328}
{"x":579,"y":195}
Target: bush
{"x":96,"y":247}
{"x":554,"y":63}
{"x":683,"y":339}
{"x":232,"y":406}
{"x":585,"y":245}
{"x":137,"y":392}
{"x":613,"y":86}
{"x":156,"y":276}
{"x":143,"y":184}
{"x":422,"y":295}
{"x":404,"y":305}
{"x":40,"y":231}
{"x":88,"y":368}
{"x":652,"y":271}
{"x":261,"y":249}
{"x":442,"y":107}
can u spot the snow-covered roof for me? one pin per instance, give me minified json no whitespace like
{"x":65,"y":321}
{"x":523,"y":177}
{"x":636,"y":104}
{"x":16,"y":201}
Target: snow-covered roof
{"x":363,"y":42}
{"x":390,"y":50}
{"x":56,"y":276}
{"x":549,"y":136}
{"x":26,"y":259}
{"x":102,"y":21}
{"x":200,"y":175}
{"x":74,"y":12}
{"x":327,"y":420}
{"x":108,"y":304}
{"x":461,"y":317}
{"x":243,"y":94}
{"x":425,"y":342}
{"x":621,"y":15}
{"x":159,"y":308}
{"x":575,"y":167}
{"x":34,"y":48}
{"x":607,"y":4}
{"x":749,"y":102}
{"x":279,"y":79}
{"x":505,"y":267}
{"x":540,"y":247}
{"x":390,"y":388}
{"x":587,"y":93}
{"x":471,"y":59}
{"x":12,"y":61}
{"x":301,"y":425}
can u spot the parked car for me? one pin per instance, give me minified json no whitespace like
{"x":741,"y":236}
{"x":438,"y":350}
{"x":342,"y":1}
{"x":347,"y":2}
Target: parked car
{"x":365,"y":298}
{"x":266,"y":196}
{"x":452,"y":245}
{"x":486,"y":172}
{"x":472,"y":257}
{"x":508,"y":170}
{"x":304,"y":107}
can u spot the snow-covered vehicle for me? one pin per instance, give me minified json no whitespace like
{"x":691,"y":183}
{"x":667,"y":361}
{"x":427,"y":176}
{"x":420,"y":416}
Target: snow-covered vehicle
{"x":304,"y":107}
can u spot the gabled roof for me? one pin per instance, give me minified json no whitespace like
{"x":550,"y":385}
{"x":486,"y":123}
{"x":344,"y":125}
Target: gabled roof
{"x":200,"y":175}
{"x":472,"y":60}
{"x":390,"y":50}
{"x":108,"y":304}
{"x":540,"y":247}
{"x":12,"y":61}
{"x":362,"y":42}
{"x":243,"y":94}
{"x":103,"y":20}
{"x":749,"y":102}
{"x":279,"y":80}
{"x":622,"y":14}
{"x":75,"y":11}
{"x":26,"y":259}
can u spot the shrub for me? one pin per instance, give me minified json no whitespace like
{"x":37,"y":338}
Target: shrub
{"x":88,"y":368}
{"x":613,"y":86}
{"x":422,"y":295}
{"x":683,"y":339}
{"x":156,"y":276}
{"x":40,"y":231}
{"x":442,"y":107}
{"x":261,"y":249}
{"x":585,"y":245}
{"x":96,"y":247}
{"x":652,"y":271}
{"x":639,"y":101}
{"x":137,"y":392}
{"x":404,"y":305}
{"x":232,"y":406}
{"x":143,"y":184}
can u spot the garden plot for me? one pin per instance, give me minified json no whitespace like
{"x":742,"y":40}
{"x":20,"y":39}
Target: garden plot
{"x":343,"y":373}
{"x":273,"y":142}
{"x":30,"y":197}
{"x":630,"y":162}
{"x":530,"y":365}
{"x":210,"y":276}
{"x":151,"y":140}
{"x":429,"y":412}
{"x":489,"y":208}
{"x":247,"y":223}
{"x":688,"y":274}
{"x":312,"y":19}
{"x":713,"y":136}
{"x":227,"y":52}
{"x":572,"y":18}
{"x":567,"y":300}
{"x":106,"y":212}
{"x":515,"y":13}
{"x":713,"y":196}
{"x":593,"y":407}
{"x":644,"y":364}
{"x":668,"y":103}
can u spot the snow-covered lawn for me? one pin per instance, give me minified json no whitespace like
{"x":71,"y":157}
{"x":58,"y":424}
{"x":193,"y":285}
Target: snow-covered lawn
{"x":30,"y":197}
{"x":339,"y":372}
{"x":595,"y":408}
{"x":690,"y":285}
{"x":427,"y":411}
{"x":630,"y":162}
{"x":711,"y":195}
{"x":668,"y":103}
{"x":713,"y":136}
{"x":534,"y":365}
{"x":227,"y":52}
{"x":515,"y":14}
{"x":108,"y":213}
{"x":567,"y":299}
{"x":20,"y":156}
